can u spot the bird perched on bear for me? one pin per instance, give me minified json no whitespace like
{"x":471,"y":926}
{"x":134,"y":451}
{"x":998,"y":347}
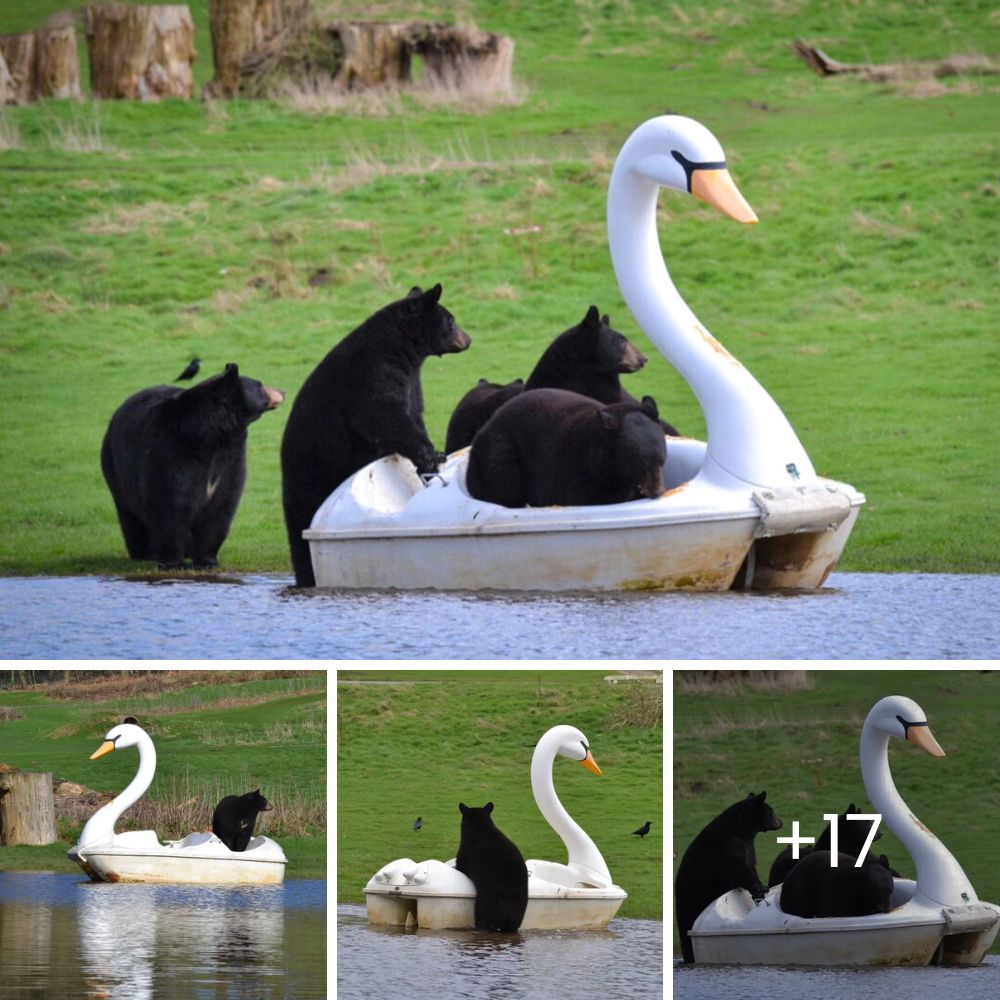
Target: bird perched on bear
{"x":496,"y":868}
{"x":235,"y":816}
{"x":175,"y":462}
{"x":720,"y":858}
{"x":815,"y":889}
{"x":362,"y":401}
{"x":587,"y":358}
{"x":550,"y":446}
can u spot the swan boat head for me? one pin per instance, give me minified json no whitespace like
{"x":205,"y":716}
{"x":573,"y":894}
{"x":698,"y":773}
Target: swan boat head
{"x":940,"y":878}
{"x":749,"y":438}
{"x":101,"y":826}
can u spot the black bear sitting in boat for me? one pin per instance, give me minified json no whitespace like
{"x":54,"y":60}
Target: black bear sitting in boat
{"x":235,"y":816}
{"x":814,"y":889}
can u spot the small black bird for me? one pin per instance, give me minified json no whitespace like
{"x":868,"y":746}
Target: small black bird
{"x":190,"y":371}
{"x":643,"y":830}
{"x":418,"y":823}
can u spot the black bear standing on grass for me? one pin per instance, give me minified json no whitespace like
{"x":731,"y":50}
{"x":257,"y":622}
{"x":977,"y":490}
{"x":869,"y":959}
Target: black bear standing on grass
{"x":234,"y":818}
{"x":496,"y":868}
{"x":549,"y":446}
{"x":721,"y":858}
{"x":587,"y":358}
{"x":814,"y":889}
{"x":362,"y":401}
{"x":175,"y":462}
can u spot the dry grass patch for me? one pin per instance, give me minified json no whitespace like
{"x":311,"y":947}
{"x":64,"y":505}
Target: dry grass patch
{"x":735,"y":682}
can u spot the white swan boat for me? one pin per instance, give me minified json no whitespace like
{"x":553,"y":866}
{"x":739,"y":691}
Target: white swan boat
{"x":745,"y":508}
{"x":937,"y":919}
{"x":140,"y":856}
{"x":576,"y":895}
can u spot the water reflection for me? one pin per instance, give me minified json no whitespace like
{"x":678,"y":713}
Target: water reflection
{"x":623,"y":960}
{"x":81,"y":939}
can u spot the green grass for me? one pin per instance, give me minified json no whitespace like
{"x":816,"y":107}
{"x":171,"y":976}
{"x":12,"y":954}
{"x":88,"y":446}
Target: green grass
{"x":422,"y":742}
{"x":133,"y":237}
{"x":802,"y":747}
{"x":276,"y":740}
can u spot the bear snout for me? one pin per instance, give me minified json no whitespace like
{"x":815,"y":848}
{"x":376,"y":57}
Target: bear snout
{"x":461,"y":340}
{"x":275,"y":397}
{"x":651,"y":486}
{"x":632,"y":360}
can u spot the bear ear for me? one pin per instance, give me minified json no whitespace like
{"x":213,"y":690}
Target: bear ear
{"x":762,"y":796}
{"x":462,"y":807}
{"x":433,"y":295}
{"x":488,"y":807}
{"x":232,"y":370}
{"x":130,"y":720}
{"x":649,"y":407}
{"x":592,"y":318}
{"x":415,"y":292}
{"x":852,"y":808}
{"x":606,"y":320}
{"x":607,"y":419}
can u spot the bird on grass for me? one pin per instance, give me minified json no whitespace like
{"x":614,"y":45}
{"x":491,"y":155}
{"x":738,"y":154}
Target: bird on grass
{"x":190,"y":371}
{"x":418,"y":823}
{"x":643,"y":830}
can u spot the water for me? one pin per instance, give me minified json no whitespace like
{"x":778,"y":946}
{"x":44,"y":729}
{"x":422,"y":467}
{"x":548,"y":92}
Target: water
{"x":623,"y":961}
{"x":857,"y":616}
{"x":710,"y":982}
{"x":63,"y":936}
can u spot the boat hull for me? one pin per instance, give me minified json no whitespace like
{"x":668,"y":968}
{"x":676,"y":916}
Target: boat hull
{"x":733,"y":931}
{"x":432,"y":895}
{"x":385,"y":529}
{"x":197,"y":859}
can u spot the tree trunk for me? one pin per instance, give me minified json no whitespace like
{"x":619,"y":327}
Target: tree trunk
{"x":140,"y":53}
{"x":27,"y":809}
{"x":245,"y":32}
{"x":57,"y":63}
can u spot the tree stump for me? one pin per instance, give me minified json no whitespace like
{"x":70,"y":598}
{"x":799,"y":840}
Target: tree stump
{"x":369,"y":53}
{"x":27,"y":810}
{"x":463,"y":59}
{"x":140,"y":53}
{"x":246,"y":34}
{"x":18,"y":53}
{"x":7,"y":93}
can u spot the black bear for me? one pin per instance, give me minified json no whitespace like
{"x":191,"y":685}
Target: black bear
{"x":851,"y":837}
{"x":234,"y":818}
{"x":475,"y":408}
{"x":175,"y":462}
{"x":496,"y":868}
{"x":815,"y":889}
{"x":362,"y":401}
{"x":550,"y":446}
{"x":587,"y":358}
{"x":720,"y":858}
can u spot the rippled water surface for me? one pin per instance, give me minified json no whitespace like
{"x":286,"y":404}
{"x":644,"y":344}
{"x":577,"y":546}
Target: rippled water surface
{"x":64,"y":936}
{"x":857,"y":616}
{"x":708,"y":982}
{"x":624,"y":962}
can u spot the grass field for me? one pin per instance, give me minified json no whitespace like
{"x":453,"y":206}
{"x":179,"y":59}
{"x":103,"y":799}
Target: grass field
{"x":134,"y":237}
{"x":416,"y":743}
{"x":802,"y":747}
{"x":216,"y":733}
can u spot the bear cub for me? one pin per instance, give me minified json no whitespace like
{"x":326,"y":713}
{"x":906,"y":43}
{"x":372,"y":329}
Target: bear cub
{"x":587,"y":358}
{"x":814,"y":889}
{"x":235,"y":816}
{"x":363,"y":401}
{"x":721,"y":858}
{"x":496,"y":868}
{"x":175,"y":462}
{"x":550,"y":446}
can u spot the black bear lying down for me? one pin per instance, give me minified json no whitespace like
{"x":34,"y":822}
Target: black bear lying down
{"x":814,"y":889}
{"x":550,"y":446}
{"x":587,"y":358}
{"x":235,"y":816}
{"x":496,"y":868}
{"x":175,"y":462}
{"x":721,"y":858}
{"x":362,"y":401}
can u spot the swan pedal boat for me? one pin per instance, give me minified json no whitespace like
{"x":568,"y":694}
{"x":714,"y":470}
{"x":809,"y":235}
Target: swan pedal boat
{"x":936,"y":919}
{"x":575,"y":896}
{"x":140,"y":856}
{"x":744,"y":508}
